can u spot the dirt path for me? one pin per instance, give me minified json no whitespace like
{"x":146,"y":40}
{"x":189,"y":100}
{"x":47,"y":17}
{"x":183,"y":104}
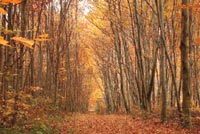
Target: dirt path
{"x":119,"y":124}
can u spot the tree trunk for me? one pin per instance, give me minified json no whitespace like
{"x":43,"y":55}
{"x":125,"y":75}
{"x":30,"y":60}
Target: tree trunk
{"x":184,"y":46}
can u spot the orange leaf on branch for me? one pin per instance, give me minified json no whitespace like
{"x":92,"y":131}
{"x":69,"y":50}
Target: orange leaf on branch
{"x":43,"y":37}
{"x":6,"y":2}
{"x":26,"y":42}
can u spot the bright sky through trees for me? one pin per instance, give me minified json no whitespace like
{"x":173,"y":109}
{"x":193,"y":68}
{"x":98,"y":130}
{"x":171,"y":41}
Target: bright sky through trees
{"x":85,"y":6}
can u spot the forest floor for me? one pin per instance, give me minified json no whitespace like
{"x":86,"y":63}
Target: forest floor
{"x":122,"y":124}
{"x":47,"y":121}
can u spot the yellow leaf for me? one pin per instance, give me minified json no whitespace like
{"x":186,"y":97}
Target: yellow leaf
{"x":8,"y":31}
{"x":2,"y":2}
{"x":2,"y":11}
{"x":4,"y":42}
{"x":41,"y":39}
{"x":26,"y":42}
{"x":44,"y":36}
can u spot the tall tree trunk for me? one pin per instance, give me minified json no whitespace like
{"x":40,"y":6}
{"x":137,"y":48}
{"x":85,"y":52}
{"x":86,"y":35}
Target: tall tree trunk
{"x":159,"y":4}
{"x":185,"y":66}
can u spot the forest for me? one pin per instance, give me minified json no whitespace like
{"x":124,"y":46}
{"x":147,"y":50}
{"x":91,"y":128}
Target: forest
{"x":99,"y":67}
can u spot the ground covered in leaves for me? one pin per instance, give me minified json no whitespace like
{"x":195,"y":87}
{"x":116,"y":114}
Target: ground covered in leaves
{"x":121,"y":124}
{"x":39,"y":116}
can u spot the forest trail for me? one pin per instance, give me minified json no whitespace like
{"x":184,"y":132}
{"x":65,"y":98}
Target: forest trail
{"x":108,"y":56}
{"x":119,"y":124}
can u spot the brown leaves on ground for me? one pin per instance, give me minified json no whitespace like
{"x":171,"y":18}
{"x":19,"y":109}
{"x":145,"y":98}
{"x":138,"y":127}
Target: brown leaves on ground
{"x":120,"y":124}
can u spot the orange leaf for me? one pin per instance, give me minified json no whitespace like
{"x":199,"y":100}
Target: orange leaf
{"x":3,"y":11}
{"x":6,"y":2}
{"x":26,"y":42}
{"x":15,"y":1}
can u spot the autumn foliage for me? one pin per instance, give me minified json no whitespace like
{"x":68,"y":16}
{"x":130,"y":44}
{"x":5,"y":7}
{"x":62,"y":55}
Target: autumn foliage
{"x":99,"y":66}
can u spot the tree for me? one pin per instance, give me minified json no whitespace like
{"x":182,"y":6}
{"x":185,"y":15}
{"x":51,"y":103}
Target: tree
{"x":186,"y":104}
